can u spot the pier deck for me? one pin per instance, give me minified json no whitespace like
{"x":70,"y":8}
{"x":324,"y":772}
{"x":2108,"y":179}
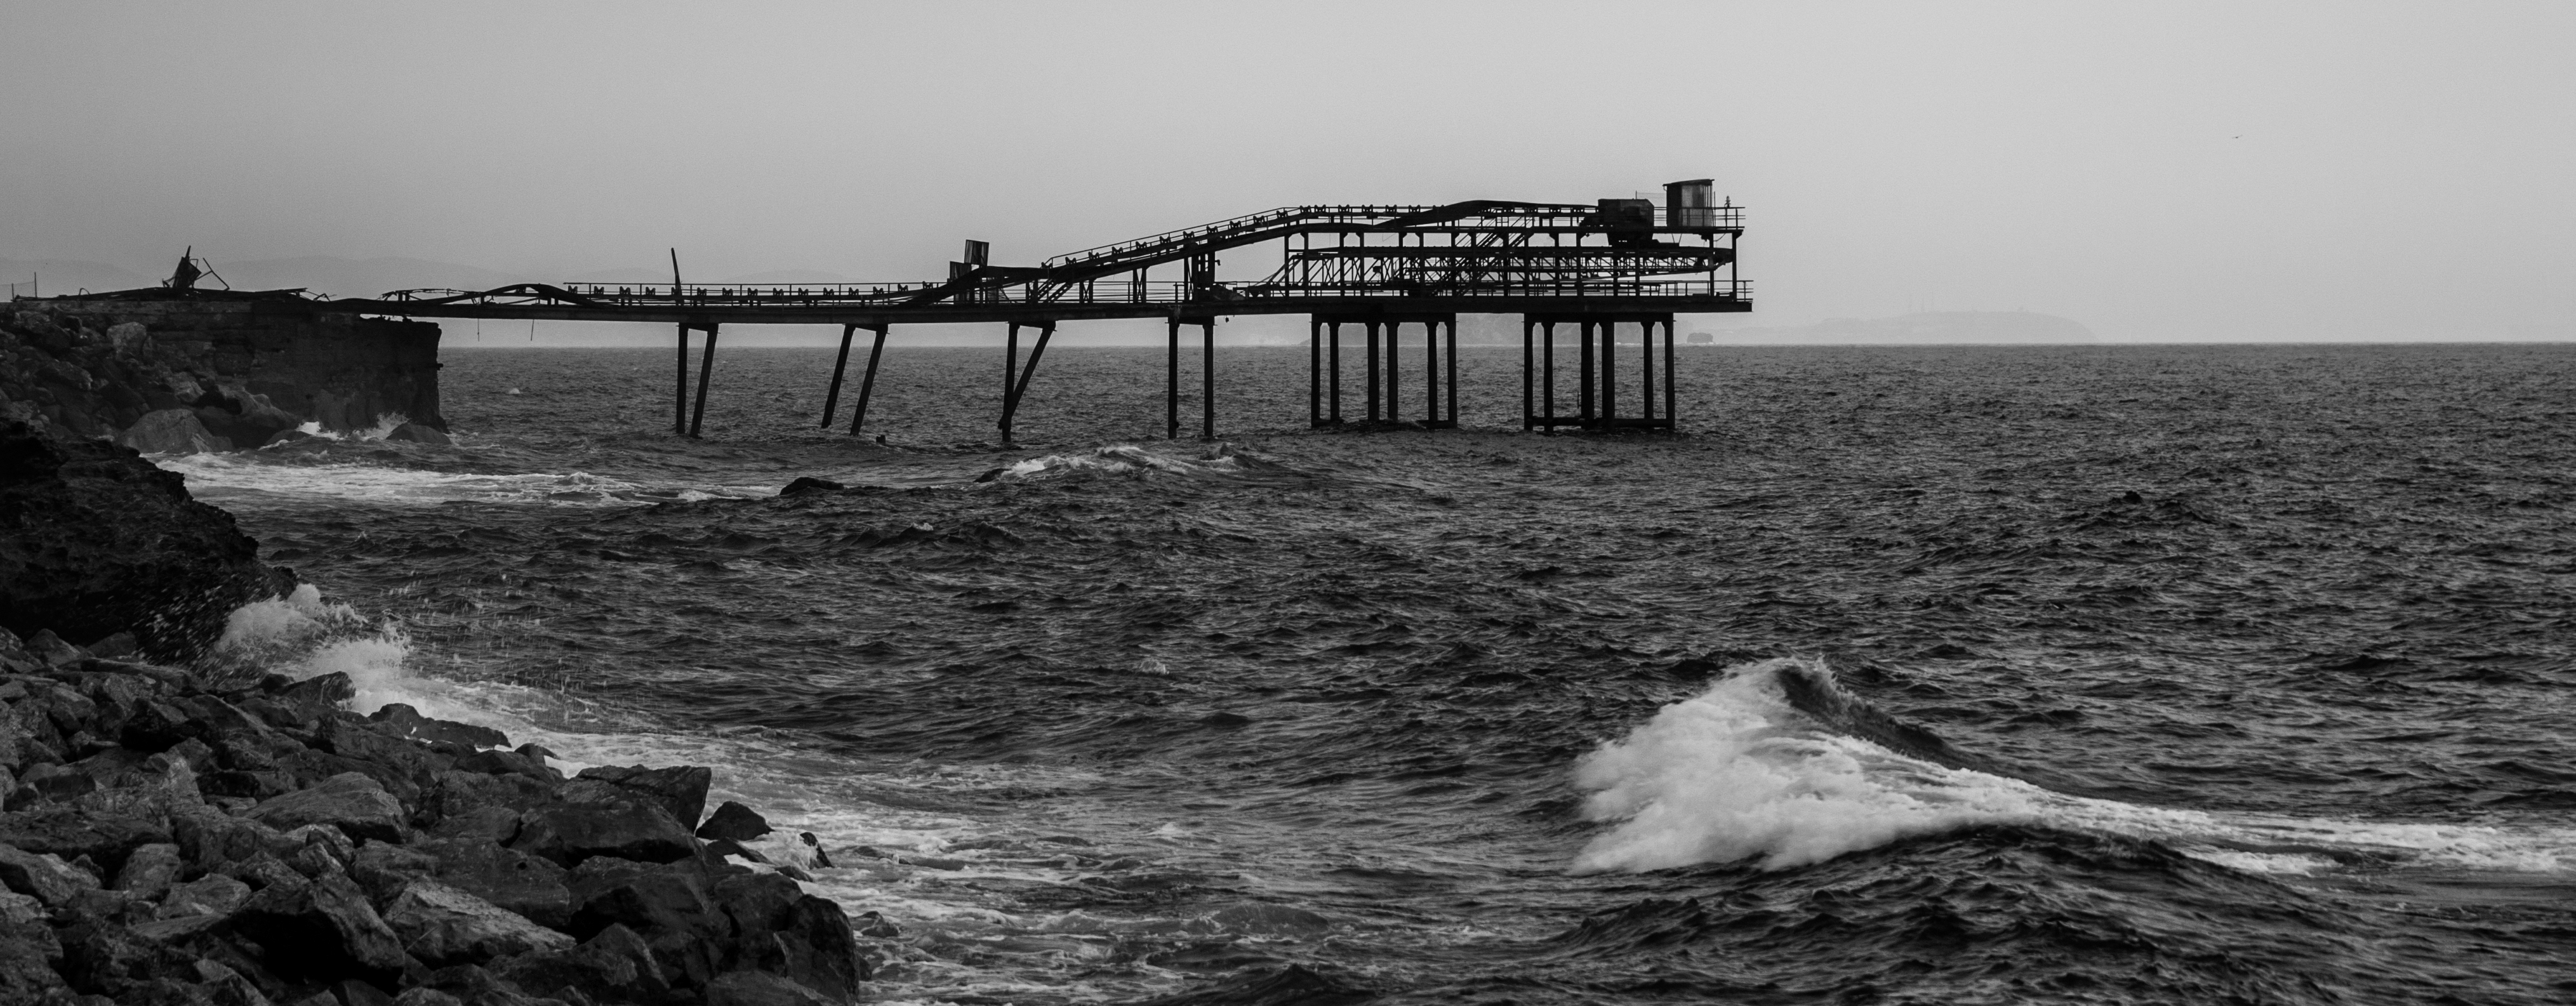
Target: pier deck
{"x":1589,"y":267}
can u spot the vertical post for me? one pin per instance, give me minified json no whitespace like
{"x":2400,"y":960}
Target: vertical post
{"x":1172,"y":380}
{"x":1672,"y":405}
{"x":832,"y":398}
{"x":680,"y":399}
{"x":1335,"y":369}
{"x":706,"y":369}
{"x":1610,"y":375}
{"x":868,"y":383}
{"x":1583,"y":399}
{"x":1547,"y":375}
{"x":1529,"y":377}
{"x":1453,"y":372}
{"x":1394,"y":371}
{"x":1646,"y":358}
{"x":1430,"y":373}
{"x":1372,"y":370}
{"x":1010,"y":377}
{"x":1011,"y":359}
{"x":1314,"y":364}
{"x":1207,"y":379}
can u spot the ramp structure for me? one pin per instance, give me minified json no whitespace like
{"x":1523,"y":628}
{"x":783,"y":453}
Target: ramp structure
{"x":1379,"y":269}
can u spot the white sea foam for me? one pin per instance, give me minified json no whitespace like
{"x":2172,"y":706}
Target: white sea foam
{"x":220,"y":476}
{"x":1738,"y":772}
{"x":1129,"y":459}
{"x":846,"y":804}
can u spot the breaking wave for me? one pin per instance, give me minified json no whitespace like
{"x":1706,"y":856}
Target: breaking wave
{"x":1777,"y":762}
{"x":1221,"y":462}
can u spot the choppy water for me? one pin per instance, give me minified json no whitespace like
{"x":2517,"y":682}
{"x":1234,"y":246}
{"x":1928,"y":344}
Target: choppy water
{"x":2130,"y":674}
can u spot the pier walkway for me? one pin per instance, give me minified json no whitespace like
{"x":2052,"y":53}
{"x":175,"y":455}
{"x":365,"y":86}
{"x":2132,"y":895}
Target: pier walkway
{"x":1376,"y":269}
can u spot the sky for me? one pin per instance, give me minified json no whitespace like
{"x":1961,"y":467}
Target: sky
{"x":2164,"y":170}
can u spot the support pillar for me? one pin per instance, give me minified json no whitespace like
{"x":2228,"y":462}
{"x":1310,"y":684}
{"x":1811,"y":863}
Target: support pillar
{"x":1314,"y":373}
{"x":1010,"y":365}
{"x":1547,"y":375}
{"x":1372,"y":371}
{"x":680,"y":399}
{"x":1453,"y":373}
{"x":1430,"y":374}
{"x":832,"y":397}
{"x":1335,"y":369}
{"x":1529,"y":376}
{"x":706,"y":369}
{"x":868,"y":382}
{"x":1207,"y":379}
{"x":1172,"y":380}
{"x":1394,"y":372}
{"x":1609,"y":375}
{"x":1672,"y":411}
{"x":1646,"y":368}
{"x":1583,"y":398}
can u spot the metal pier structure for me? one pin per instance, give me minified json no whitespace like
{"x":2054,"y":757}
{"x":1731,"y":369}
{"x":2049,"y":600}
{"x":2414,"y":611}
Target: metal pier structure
{"x":1573,"y":272}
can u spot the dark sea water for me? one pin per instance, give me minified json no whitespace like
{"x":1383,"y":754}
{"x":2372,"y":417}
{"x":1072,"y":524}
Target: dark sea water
{"x":1928,"y":675}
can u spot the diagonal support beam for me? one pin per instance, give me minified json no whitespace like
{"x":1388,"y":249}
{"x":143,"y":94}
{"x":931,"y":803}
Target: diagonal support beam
{"x":868,"y":382}
{"x":1020,"y":390}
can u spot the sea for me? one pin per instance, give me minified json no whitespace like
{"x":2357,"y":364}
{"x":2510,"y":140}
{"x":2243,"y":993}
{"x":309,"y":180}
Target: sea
{"x":1923,"y":674}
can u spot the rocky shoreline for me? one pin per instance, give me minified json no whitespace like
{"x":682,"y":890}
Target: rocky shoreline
{"x":176,"y":829}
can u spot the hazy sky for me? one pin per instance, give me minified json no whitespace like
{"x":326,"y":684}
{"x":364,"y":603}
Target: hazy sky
{"x":2155,"y":169}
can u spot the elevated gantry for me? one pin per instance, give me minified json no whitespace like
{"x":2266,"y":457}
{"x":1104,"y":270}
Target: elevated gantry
{"x":1376,"y":268}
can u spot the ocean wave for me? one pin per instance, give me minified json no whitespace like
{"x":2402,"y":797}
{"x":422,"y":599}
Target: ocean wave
{"x":1218,"y":462}
{"x":1776,"y":762}
{"x":221,"y":477}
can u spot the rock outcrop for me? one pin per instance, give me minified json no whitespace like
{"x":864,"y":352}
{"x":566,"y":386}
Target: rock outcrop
{"x":248,"y":369}
{"x":405,"y":859}
{"x":96,"y":541}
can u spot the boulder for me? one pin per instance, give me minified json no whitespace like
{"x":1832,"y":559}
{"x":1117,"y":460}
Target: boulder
{"x":103,"y":958}
{"x":627,"y":829}
{"x":150,"y":870}
{"x":400,"y":720}
{"x":442,"y":925}
{"x":29,"y":958}
{"x":15,"y":658}
{"x":43,"y":876}
{"x":16,"y":908}
{"x":72,"y":833}
{"x":614,"y":966}
{"x":209,"y":838}
{"x":778,"y":927}
{"x":668,"y":906}
{"x":809,"y":484}
{"x":757,"y":988}
{"x":172,"y":431}
{"x":521,"y":882}
{"x":384,"y":870}
{"x":94,"y":540}
{"x":682,"y":790}
{"x":733,"y":821}
{"x":213,"y":895}
{"x":321,"y":929}
{"x":529,"y":760}
{"x":314,"y":698}
{"x":419,"y":434}
{"x":350,"y":801}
